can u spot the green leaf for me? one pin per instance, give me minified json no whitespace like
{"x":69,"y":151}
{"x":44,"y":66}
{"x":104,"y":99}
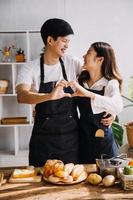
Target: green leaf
{"x":118,"y":133}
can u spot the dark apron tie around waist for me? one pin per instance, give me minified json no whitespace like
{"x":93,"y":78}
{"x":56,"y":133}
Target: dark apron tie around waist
{"x":55,"y":133}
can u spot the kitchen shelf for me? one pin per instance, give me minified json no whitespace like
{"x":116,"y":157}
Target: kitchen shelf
{"x":14,"y":138}
{"x":15,"y":125}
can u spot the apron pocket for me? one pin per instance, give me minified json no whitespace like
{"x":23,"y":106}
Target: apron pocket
{"x":59,"y":125}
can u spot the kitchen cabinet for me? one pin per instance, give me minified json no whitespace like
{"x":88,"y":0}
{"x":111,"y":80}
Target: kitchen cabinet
{"x":14,"y":138}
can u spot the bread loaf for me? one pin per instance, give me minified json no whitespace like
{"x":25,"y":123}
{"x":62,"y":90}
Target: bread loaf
{"x":82,"y":176}
{"x":77,"y":170}
{"x":58,"y":166}
{"x":69,"y":179}
{"x":54,"y":179}
{"x":61,"y":174}
{"x":56,"y":172}
{"x":48,"y":168}
{"x":68,"y":167}
{"x":23,"y":173}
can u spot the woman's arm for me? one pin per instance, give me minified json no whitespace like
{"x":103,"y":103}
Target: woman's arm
{"x":111,"y":102}
{"x":80,"y":91}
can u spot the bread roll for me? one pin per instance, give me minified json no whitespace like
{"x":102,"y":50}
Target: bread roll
{"x":58,"y":166}
{"x":68,"y":167}
{"x":77,"y":170}
{"x":49,"y":163}
{"x":48,"y":168}
{"x":53,"y":179}
{"x":69,"y":179}
{"x":61,"y":174}
{"x":82,"y":176}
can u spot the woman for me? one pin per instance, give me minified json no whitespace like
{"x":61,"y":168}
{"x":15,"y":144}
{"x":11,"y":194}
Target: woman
{"x":98,"y":93}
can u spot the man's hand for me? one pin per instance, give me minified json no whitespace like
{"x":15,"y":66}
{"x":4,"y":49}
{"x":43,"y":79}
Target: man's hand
{"x":77,"y":88}
{"x":58,"y":91}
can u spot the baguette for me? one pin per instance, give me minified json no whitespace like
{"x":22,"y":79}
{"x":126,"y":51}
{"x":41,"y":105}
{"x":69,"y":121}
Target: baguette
{"x":82,"y":176}
{"x":23,"y":173}
{"x":77,"y":170}
{"x":68,"y":167}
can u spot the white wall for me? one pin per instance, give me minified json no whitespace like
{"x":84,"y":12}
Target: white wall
{"x":97,"y":20}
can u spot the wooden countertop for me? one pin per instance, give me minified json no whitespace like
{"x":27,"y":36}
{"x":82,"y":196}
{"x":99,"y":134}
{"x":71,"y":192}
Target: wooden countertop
{"x":46,"y":191}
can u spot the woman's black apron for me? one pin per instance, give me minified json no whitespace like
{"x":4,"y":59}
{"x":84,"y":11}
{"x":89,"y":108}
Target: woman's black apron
{"x":55,"y":133}
{"x":92,"y":147}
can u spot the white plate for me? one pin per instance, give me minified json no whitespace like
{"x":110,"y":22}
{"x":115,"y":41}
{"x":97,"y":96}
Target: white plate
{"x":61,"y":183}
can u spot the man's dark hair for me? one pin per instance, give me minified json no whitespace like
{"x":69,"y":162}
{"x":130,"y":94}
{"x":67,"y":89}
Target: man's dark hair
{"x":55,"y":28}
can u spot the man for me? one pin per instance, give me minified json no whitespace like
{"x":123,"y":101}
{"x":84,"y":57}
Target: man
{"x":55,"y":131}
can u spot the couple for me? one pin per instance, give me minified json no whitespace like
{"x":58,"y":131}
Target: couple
{"x":58,"y":133}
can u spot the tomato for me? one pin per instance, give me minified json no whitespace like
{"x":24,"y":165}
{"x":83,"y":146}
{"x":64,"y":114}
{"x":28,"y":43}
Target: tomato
{"x":130,"y":163}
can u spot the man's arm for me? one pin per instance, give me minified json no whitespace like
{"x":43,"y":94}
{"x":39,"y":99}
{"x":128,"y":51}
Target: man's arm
{"x":25,"y":95}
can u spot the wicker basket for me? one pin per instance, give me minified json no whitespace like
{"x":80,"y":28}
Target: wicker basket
{"x":3,"y":86}
{"x":126,"y":181}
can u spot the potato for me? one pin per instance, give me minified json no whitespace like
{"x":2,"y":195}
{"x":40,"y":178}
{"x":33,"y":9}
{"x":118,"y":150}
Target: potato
{"x":108,"y":180}
{"x":94,"y":179}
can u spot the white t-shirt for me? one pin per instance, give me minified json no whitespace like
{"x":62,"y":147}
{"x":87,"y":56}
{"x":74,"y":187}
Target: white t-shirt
{"x":111,"y":102}
{"x":30,"y":72}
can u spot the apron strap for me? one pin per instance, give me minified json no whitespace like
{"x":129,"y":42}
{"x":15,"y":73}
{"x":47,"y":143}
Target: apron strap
{"x":42,"y":68}
{"x":63,"y":69}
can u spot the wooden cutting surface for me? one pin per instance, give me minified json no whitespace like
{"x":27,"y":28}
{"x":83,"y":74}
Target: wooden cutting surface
{"x":46,"y":191}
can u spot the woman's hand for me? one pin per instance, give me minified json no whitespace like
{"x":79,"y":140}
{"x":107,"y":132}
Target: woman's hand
{"x":107,"y":119}
{"x":62,"y":83}
{"x":77,"y":88}
{"x":80,"y":91}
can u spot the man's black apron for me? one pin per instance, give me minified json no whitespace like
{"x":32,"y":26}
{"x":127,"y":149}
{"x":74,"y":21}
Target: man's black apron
{"x":55,"y":133}
{"x":92,"y":147}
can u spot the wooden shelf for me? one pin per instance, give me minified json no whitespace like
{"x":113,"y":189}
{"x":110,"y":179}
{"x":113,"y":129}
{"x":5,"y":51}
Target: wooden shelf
{"x":15,"y":136}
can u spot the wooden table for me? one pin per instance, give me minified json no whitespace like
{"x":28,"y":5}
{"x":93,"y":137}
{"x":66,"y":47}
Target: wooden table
{"x":46,"y":191}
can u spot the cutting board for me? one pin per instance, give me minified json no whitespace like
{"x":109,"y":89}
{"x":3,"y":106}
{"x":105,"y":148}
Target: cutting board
{"x":1,"y":178}
{"x":33,"y":179}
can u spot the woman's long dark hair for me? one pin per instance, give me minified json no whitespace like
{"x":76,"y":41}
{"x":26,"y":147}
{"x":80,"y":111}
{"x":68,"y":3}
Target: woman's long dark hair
{"x":109,"y":67}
